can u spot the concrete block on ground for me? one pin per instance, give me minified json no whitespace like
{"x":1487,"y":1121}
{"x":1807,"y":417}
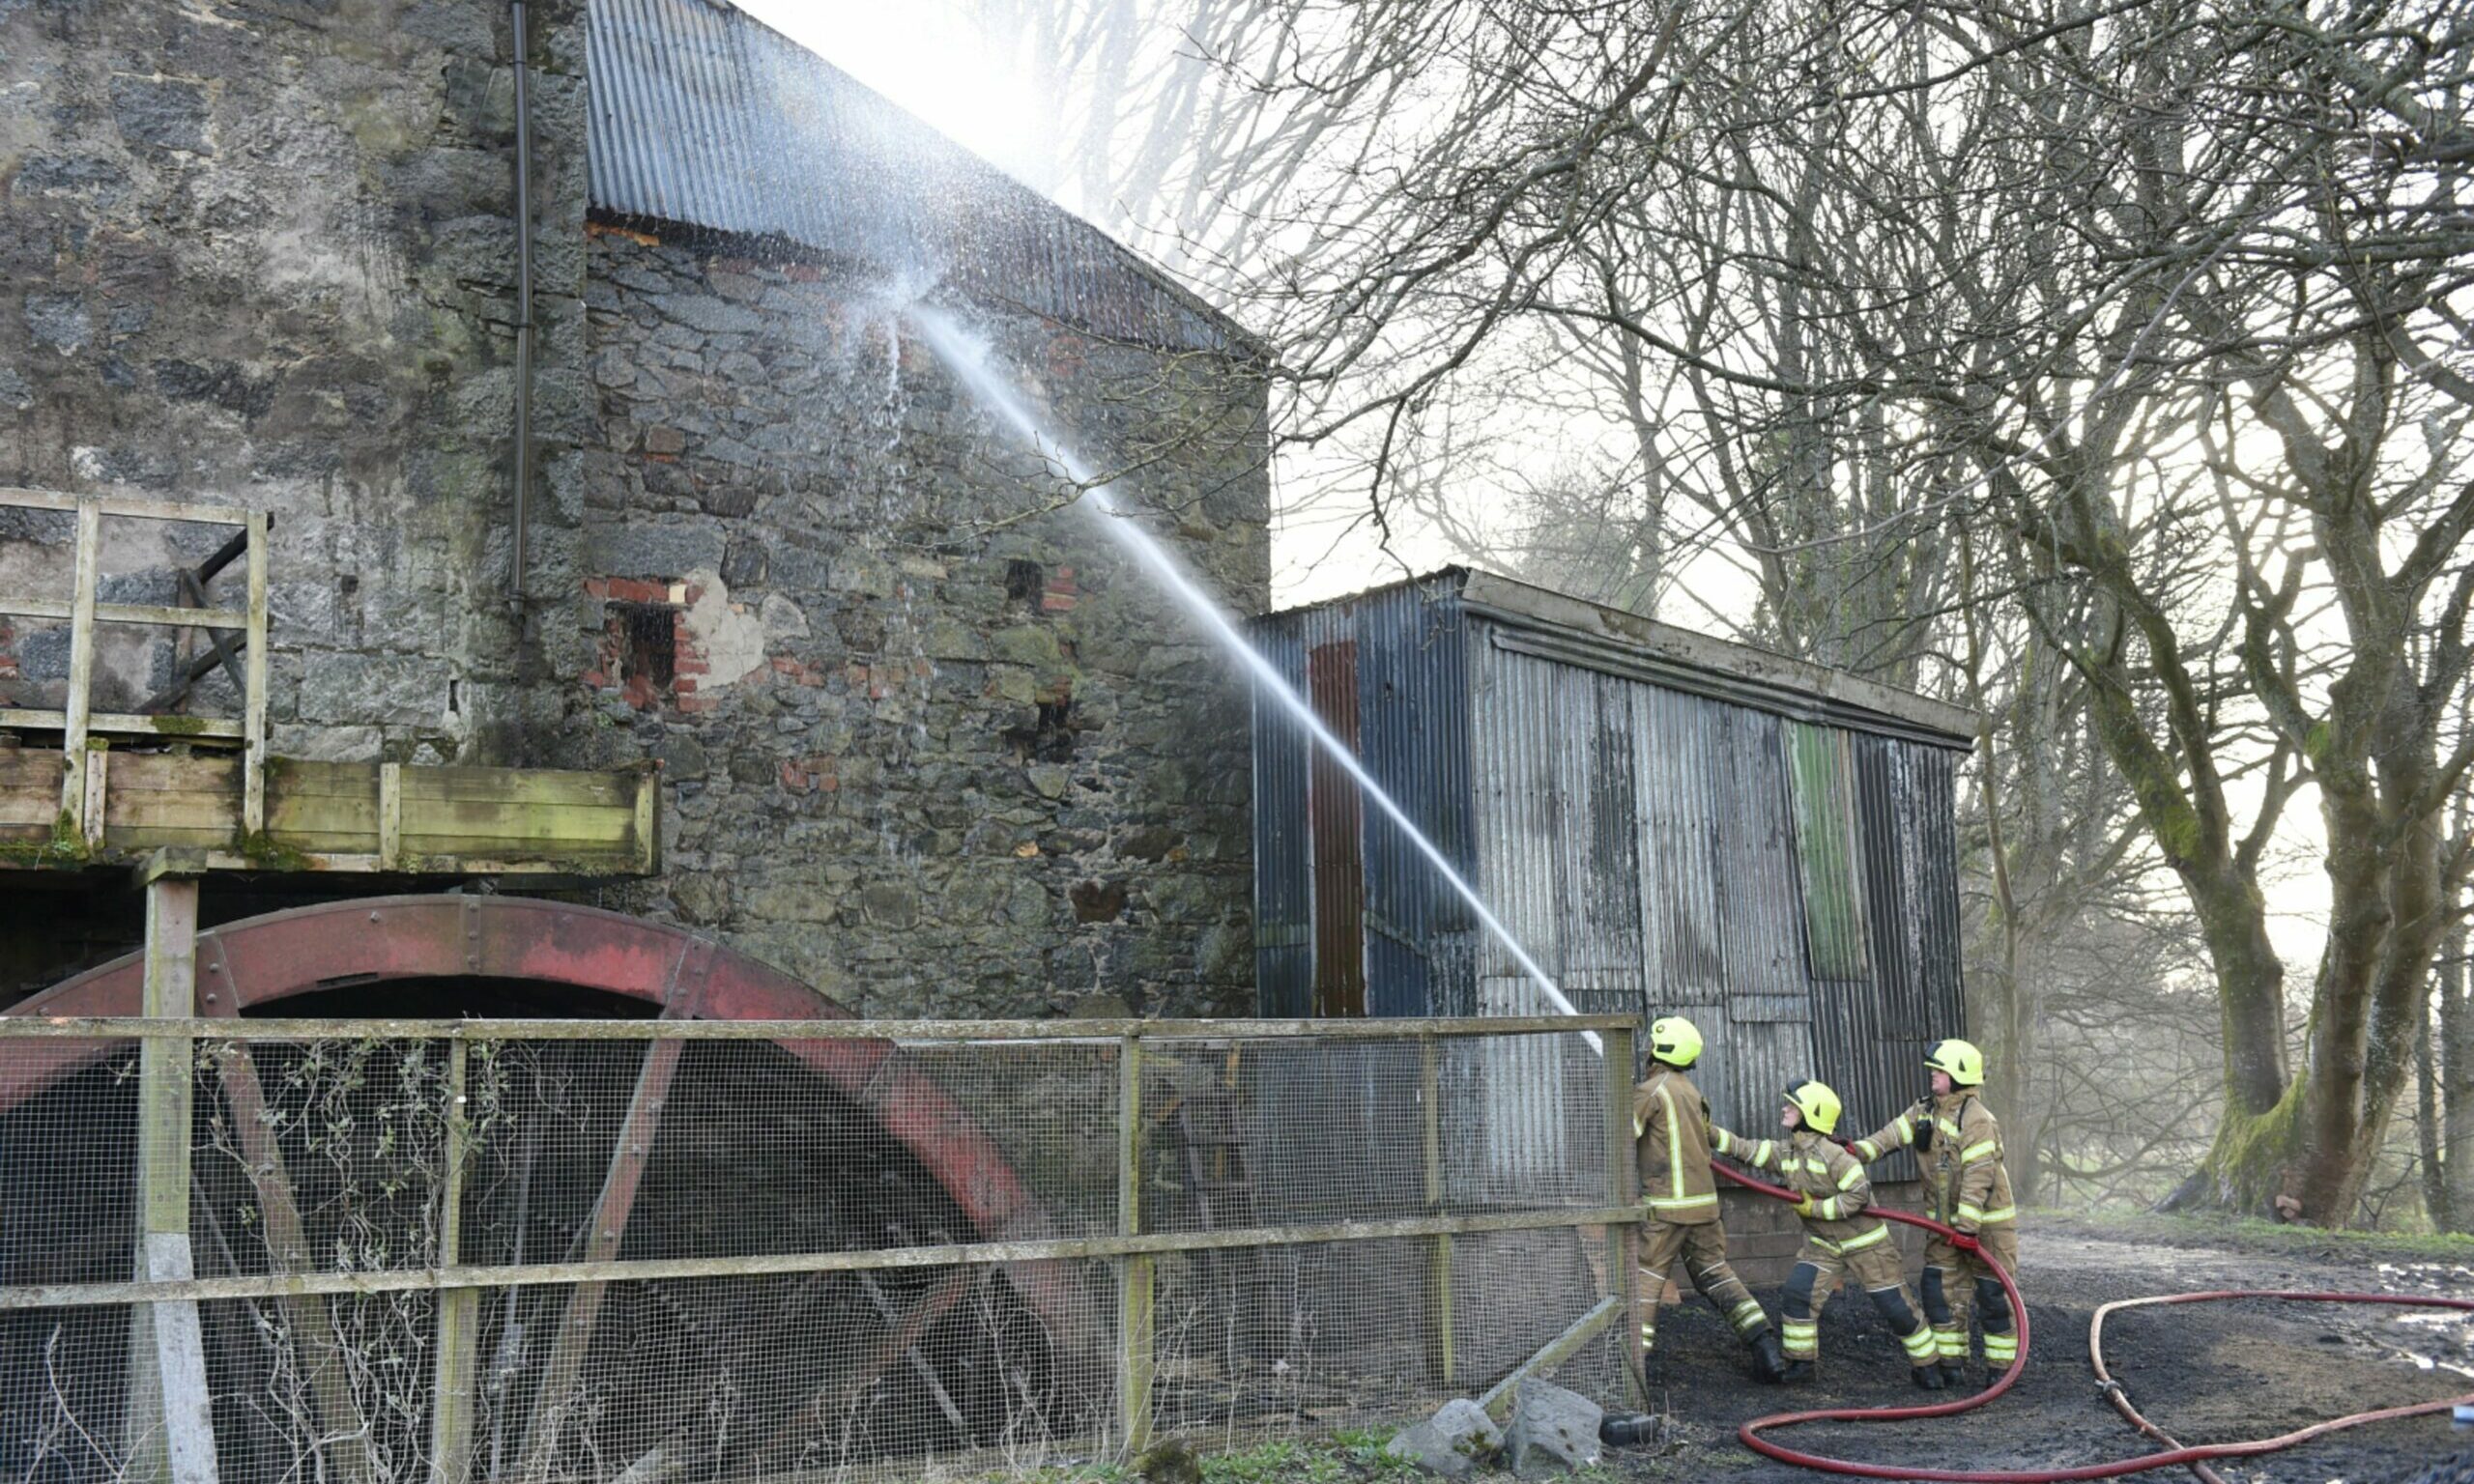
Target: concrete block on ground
{"x":1552,"y":1431}
{"x":1452,"y":1442}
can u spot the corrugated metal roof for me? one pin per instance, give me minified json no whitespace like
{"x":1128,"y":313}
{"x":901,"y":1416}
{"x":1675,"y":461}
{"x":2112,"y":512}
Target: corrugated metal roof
{"x":701,"y":115}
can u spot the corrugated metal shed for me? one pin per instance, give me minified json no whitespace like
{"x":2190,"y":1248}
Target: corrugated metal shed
{"x":702,"y":116}
{"x":1667,"y":822}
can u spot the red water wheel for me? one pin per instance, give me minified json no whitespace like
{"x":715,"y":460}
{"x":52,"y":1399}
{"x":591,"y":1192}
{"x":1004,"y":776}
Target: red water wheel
{"x":328,"y":1154}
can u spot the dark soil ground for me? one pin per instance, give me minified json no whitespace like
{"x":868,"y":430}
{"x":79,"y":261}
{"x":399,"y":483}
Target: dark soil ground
{"x":2204,"y":1373}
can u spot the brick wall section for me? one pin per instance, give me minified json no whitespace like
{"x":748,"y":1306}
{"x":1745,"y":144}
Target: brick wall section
{"x":266,"y":254}
{"x":926,"y":742}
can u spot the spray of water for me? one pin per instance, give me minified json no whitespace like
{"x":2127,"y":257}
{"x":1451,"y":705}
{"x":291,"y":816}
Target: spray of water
{"x":967,"y":358}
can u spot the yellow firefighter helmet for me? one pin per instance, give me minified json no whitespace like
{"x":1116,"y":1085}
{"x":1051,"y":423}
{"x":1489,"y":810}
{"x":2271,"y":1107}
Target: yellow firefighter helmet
{"x":1818,"y":1104}
{"x":1960,"y":1059}
{"x":1675,"y":1041}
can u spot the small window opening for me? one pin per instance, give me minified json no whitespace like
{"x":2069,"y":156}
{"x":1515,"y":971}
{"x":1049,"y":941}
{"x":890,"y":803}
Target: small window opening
{"x":1023,"y":580}
{"x":648,"y":637}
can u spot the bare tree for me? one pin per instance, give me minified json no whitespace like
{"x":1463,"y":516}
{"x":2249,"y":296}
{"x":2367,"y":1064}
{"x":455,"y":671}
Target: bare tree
{"x":2169,"y":295}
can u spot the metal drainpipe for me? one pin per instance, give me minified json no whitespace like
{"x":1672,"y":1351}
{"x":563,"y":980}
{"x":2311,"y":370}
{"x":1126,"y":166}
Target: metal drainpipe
{"x":523,"y":304}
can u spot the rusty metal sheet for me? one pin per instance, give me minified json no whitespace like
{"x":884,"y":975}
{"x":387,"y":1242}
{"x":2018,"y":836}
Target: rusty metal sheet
{"x":1336,"y":818}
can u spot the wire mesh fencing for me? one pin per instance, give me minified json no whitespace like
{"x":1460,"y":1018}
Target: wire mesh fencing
{"x":654,"y":1252}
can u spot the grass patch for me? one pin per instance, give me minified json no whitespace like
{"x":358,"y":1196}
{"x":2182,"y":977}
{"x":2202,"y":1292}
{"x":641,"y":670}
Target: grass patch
{"x":1344,"y":1457}
{"x":2251,"y":1234}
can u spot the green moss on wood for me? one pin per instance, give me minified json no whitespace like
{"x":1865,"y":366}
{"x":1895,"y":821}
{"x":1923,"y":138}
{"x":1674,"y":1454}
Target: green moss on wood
{"x":264,"y":852}
{"x":181,"y":725}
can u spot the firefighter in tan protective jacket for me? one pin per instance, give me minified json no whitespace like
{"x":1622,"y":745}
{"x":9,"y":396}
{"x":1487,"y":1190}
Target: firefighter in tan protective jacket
{"x":1841,"y":1235}
{"x":1967,"y":1188}
{"x":1679,"y":1198}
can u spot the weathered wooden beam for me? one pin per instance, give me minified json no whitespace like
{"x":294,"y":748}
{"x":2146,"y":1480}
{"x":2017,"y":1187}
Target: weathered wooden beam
{"x":1057,"y":1031}
{"x":459,"y":1310}
{"x":1498,"y":1398}
{"x":254,"y":692}
{"x":28,"y":719}
{"x":165,"y":615}
{"x":123,"y":505}
{"x":399,"y":1280}
{"x":1623,"y":1189}
{"x":391,"y":816}
{"x":147,"y":615}
{"x":81,"y":661}
{"x":168,"y":1416}
{"x":647,"y":823}
{"x":90,"y":810}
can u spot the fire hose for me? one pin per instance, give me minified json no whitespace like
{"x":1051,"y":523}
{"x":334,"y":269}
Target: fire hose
{"x":2176,"y":1454}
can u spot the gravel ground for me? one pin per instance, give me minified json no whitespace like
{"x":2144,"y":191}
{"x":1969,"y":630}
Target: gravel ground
{"x":2204,"y":1373}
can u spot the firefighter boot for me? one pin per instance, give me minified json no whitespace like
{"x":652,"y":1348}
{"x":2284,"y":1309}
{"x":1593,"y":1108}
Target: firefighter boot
{"x":1768,"y":1363}
{"x":1928,"y":1377}
{"x":1797,"y":1371}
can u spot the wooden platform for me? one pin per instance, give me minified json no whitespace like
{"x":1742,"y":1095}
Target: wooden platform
{"x":329,"y":817}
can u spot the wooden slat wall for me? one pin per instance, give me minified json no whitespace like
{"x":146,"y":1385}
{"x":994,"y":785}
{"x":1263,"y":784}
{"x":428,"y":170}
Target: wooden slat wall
{"x":593,"y":821}
{"x":29,"y":793}
{"x":156,"y":799}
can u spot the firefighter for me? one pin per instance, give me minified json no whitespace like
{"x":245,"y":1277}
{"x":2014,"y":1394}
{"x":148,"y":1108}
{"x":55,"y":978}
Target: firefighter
{"x":1967,"y":1188}
{"x":1679,"y":1198}
{"x":1840,"y":1237}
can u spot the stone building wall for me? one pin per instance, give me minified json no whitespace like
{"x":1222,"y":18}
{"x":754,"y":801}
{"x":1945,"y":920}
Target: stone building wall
{"x":265,"y":254}
{"x":926,"y":743}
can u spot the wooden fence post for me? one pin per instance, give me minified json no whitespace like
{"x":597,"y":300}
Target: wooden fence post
{"x":1440,"y":1339}
{"x":459,"y":1309}
{"x":1134,"y":1358}
{"x":1623,"y":1188}
{"x":170,"y":1424}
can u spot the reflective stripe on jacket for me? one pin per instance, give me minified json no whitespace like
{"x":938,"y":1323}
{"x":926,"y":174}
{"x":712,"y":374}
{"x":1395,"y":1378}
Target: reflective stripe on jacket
{"x":1671,"y":1124}
{"x":1966,"y":1184}
{"x":1811,"y":1165}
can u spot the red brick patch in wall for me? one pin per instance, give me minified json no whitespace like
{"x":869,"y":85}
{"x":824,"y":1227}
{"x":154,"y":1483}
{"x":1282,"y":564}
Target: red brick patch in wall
{"x":1061,"y":594}
{"x":653,"y":658}
{"x":799,"y":671}
{"x":811,"y":775}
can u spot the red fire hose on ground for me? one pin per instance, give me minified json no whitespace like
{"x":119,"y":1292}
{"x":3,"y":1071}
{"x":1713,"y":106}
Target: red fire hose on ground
{"x":2176,"y":1455}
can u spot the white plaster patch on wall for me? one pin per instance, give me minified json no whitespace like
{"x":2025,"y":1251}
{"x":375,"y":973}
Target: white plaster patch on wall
{"x":728,"y":634}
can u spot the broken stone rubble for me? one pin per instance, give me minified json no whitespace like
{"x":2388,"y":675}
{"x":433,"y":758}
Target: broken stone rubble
{"x":1452,"y":1442}
{"x":1553,"y":1431}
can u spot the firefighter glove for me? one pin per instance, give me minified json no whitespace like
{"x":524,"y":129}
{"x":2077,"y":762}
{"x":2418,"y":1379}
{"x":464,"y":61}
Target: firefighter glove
{"x":1804,"y":1205}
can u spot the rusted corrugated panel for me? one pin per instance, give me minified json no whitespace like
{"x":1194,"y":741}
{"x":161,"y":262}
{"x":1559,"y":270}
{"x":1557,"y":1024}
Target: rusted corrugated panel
{"x":1680,"y":821}
{"x":1518,"y":835}
{"x":1822,"y":776}
{"x":1872,"y":1035}
{"x":1335,"y":815}
{"x":1767,"y":1033}
{"x":700,"y":115}
{"x":1413,"y":736}
{"x":1284,"y":872}
{"x":1599,"y":861}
